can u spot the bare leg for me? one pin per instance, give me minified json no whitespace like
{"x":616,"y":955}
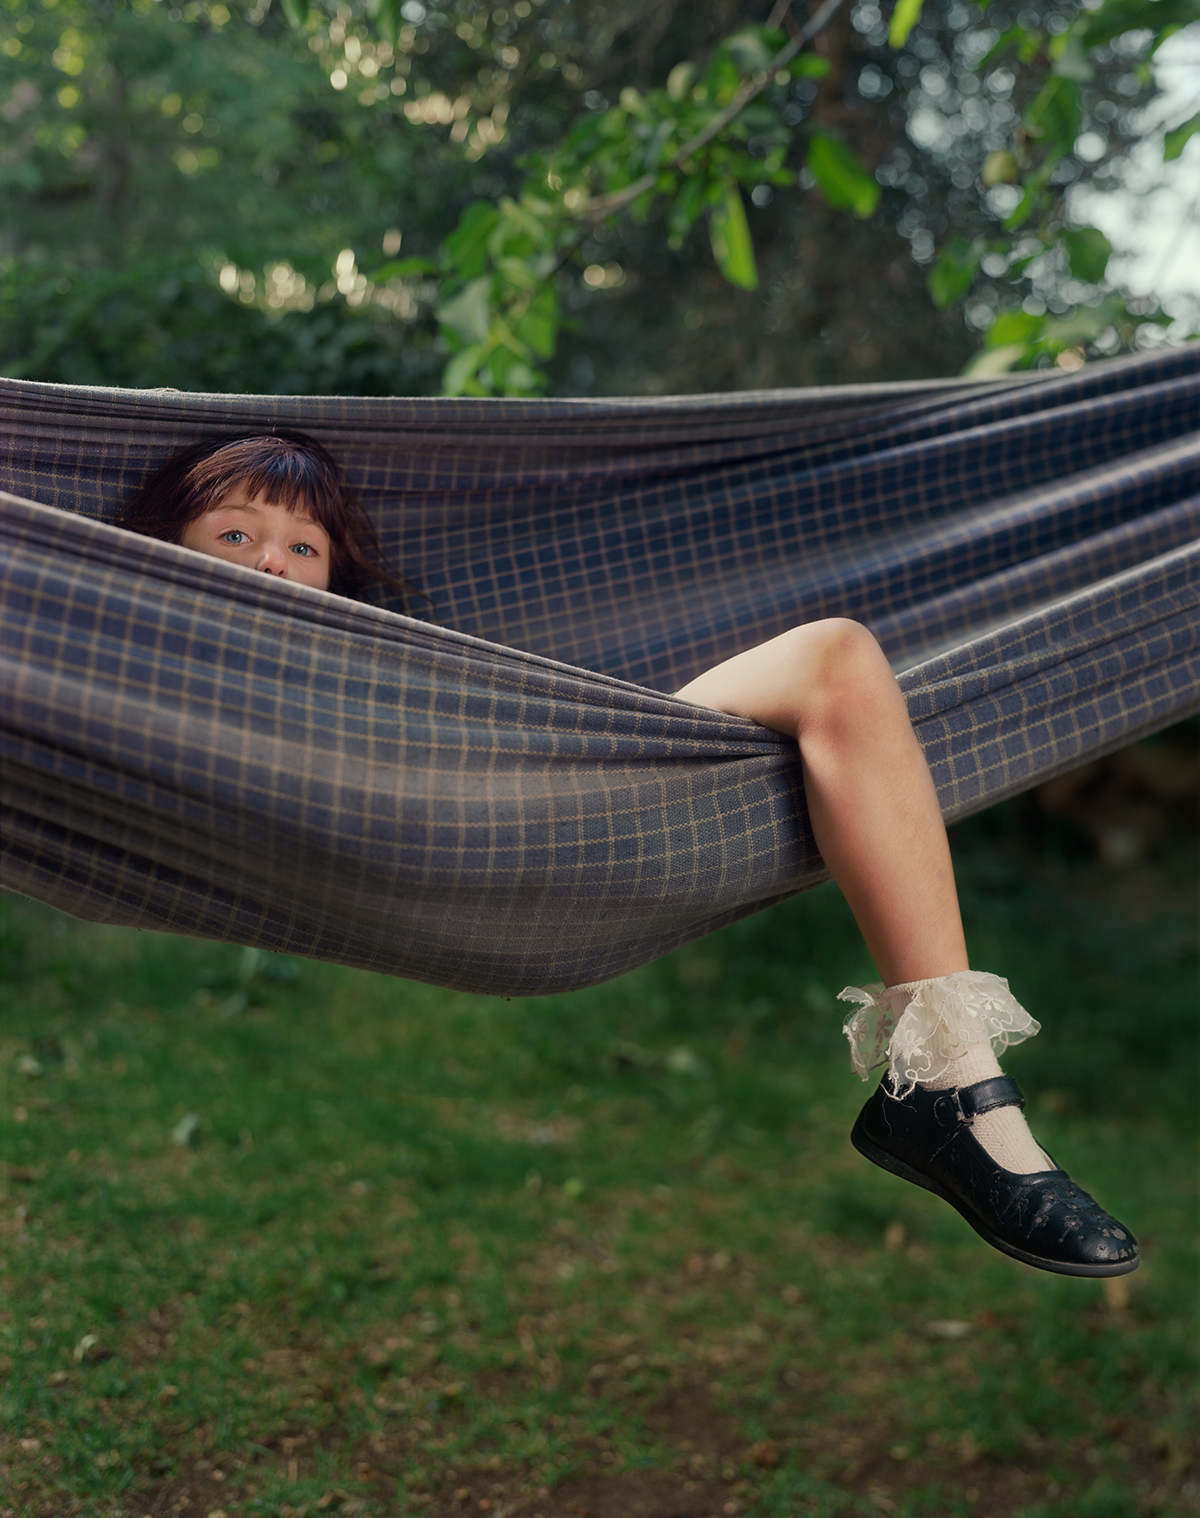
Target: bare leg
{"x":876,"y":820}
{"x":874,"y":814}
{"x":871,"y":800}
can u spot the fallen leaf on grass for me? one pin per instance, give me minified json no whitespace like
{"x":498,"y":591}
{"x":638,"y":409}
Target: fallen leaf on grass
{"x":948,"y":1328}
{"x":684,"y":1061}
{"x":547,"y":1133}
{"x":90,"y":1350}
{"x":625,"y":1055}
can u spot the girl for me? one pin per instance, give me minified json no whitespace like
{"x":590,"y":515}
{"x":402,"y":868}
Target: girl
{"x":944,"y":1116}
{"x":274,"y":503}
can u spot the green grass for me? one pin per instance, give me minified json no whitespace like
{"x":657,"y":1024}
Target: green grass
{"x":606,"y":1253}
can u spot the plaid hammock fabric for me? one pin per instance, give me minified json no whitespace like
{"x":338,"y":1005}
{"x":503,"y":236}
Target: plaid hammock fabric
{"x":506,"y":799}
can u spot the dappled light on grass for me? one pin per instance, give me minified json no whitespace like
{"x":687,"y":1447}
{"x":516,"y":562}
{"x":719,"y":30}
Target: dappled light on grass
{"x":287,"y":1239}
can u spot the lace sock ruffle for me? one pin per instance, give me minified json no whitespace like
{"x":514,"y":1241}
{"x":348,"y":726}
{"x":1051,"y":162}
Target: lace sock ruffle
{"x":921,"y":1027}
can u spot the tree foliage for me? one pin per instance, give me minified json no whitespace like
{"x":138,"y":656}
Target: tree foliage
{"x":493,"y":200}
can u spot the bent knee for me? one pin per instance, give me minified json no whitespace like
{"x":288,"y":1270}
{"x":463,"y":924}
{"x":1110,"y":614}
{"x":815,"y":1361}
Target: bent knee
{"x":839,"y":649}
{"x":849,"y":675}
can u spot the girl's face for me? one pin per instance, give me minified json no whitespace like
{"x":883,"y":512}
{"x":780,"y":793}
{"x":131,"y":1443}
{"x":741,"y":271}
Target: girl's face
{"x":257,"y":534}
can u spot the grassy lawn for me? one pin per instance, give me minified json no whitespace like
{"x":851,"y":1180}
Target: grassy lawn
{"x":286,"y":1239}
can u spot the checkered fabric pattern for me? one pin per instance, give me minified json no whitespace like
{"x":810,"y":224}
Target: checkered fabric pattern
{"x":501,"y":799}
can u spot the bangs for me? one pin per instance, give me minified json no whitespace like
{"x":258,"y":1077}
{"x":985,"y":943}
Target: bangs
{"x":277,"y":486}
{"x":281,"y":473}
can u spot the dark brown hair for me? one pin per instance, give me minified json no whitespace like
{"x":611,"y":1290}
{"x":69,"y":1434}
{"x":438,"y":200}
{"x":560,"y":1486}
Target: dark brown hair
{"x":287,"y":469}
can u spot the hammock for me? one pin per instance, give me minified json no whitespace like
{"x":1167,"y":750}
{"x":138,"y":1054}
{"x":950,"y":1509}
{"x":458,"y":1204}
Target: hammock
{"x":504,"y":801}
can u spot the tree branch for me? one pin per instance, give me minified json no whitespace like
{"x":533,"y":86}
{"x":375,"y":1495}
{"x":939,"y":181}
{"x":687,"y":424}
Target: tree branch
{"x":750,"y":89}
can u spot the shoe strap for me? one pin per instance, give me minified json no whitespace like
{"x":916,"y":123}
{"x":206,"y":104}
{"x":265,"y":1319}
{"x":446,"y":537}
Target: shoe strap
{"x":985,"y":1096}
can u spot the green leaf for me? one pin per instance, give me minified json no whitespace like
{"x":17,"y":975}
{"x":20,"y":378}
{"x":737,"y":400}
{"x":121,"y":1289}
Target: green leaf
{"x":1024,"y":207}
{"x":685,"y":208}
{"x":400,"y":268}
{"x":1088,"y":250}
{"x":1120,"y":16}
{"x":954,"y":272}
{"x":653,"y":155}
{"x":296,"y":11}
{"x":842,"y":180}
{"x":538,"y":328}
{"x":810,"y":66}
{"x":461,"y":370}
{"x":1080,"y":327}
{"x":731,"y":243}
{"x":989,"y":362}
{"x":1005,"y":40}
{"x":582,"y":137}
{"x":904,"y":18}
{"x":1019,"y":265}
{"x":1173,"y":143}
{"x":518,"y":272}
{"x":1012,"y":327}
{"x":750,"y":50}
{"x":1070,"y":59}
{"x":1054,"y":116}
{"x":680,"y":81}
{"x":518,"y":232}
{"x":468,"y":314}
{"x":633,"y":102}
{"x":466,"y":247}
{"x":519,"y":379}
{"x":387,"y":19}
{"x":721,"y":78}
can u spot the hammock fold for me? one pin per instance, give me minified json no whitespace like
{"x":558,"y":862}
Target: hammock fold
{"x":508,"y":801}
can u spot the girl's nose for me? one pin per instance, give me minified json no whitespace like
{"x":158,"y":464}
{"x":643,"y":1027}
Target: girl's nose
{"x":273,"y":560}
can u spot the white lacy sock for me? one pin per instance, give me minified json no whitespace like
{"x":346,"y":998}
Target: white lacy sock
{"x":939,"y":1034}
{"x":1003,"y":1132}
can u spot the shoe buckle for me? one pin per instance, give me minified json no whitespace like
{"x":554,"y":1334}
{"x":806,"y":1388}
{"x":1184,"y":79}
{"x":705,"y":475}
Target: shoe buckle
{"x":956,"y":1103}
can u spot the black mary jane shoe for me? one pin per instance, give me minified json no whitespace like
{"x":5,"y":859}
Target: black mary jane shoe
{"x":1042,"y":1219}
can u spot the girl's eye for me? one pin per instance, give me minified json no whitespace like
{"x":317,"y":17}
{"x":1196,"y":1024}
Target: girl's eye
{"x":303,"y":549}
{"x":234,"y":536}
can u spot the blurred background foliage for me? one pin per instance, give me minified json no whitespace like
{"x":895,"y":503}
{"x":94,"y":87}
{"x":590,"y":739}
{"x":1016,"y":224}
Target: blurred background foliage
{"x":356,"y":198}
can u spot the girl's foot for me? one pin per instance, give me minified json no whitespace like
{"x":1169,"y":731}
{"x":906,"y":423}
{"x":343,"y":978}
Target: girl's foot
{"x":946,"y":1118}
{"x":1041,"y":1218}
